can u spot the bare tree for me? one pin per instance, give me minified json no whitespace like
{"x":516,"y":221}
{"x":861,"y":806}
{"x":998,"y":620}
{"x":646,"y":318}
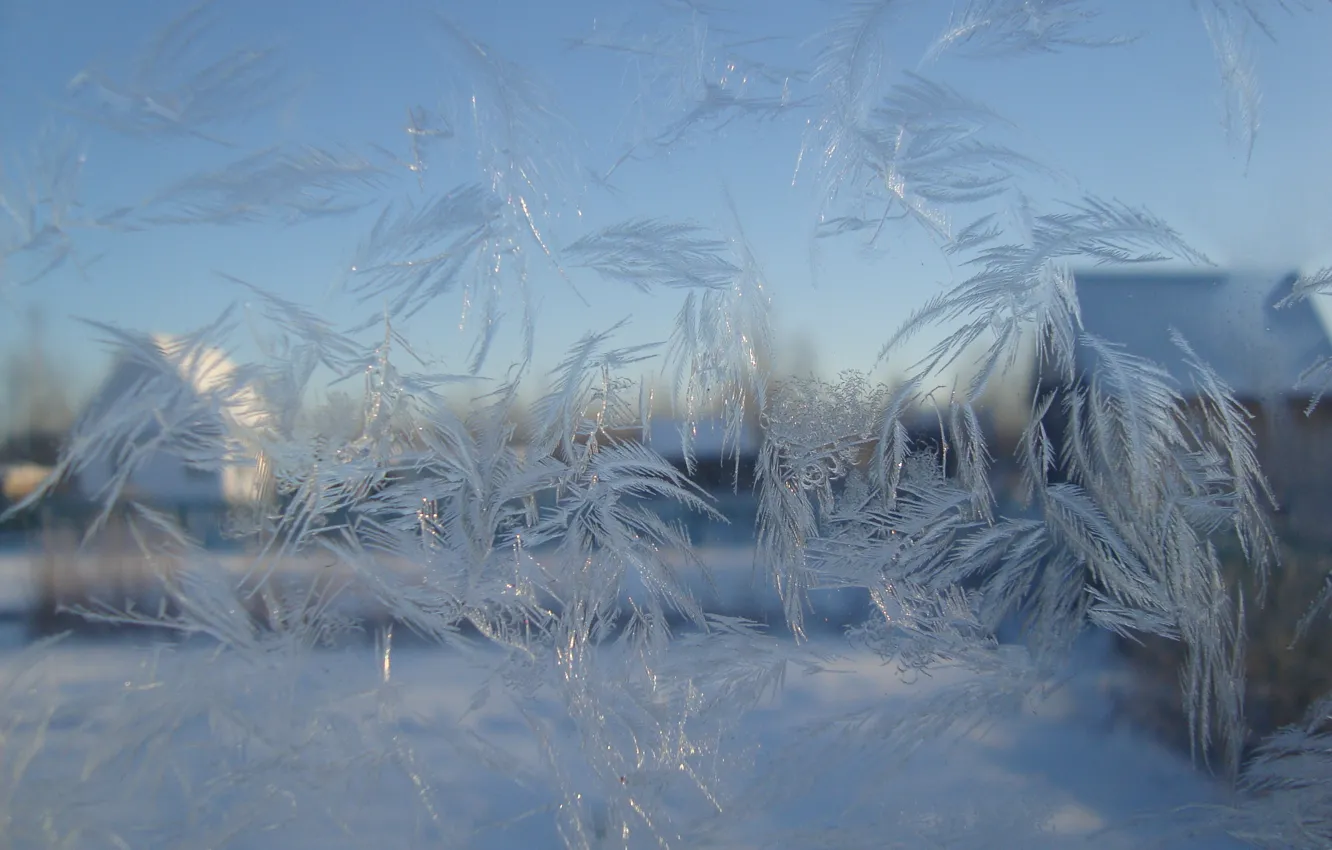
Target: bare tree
{"x":36,"y":404}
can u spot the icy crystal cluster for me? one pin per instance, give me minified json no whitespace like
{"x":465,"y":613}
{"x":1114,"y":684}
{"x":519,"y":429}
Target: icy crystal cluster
{"x":508,"y":512}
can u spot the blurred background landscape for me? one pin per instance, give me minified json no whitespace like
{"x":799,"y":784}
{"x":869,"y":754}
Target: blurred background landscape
{"x":239,"y":233}
{"x":53,"y":564}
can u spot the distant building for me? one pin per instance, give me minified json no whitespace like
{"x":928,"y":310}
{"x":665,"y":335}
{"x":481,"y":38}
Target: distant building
{"x":19,"y":480}
{"x":715,"y":462}
{"x":204,"y":406}
{"x":26,"y":461}
{"x":1231,"y":320}
{"x":38,"y":447}
{"x":718,"y":468}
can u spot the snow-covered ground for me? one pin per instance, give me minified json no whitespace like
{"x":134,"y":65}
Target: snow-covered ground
{"x":342,"y":760}
{"x":16,"y":585}
{"x":111,"y":741}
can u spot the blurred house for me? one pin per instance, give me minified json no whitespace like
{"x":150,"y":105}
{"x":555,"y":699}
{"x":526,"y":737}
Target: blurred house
{"x":718,"y":468}
{"x":1232,"y":321}
{"x":27,"y":460}
{"x":38,"y":447}
{"x":19,"y":480}
{"x":189,"y":421}
{"x":715,"y":463}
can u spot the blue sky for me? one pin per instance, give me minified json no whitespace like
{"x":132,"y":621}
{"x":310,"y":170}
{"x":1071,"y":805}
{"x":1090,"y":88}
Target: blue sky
{"x":1140,"y":123}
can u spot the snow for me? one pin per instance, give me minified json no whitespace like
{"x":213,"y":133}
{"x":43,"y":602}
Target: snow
{"x":16,"y":588}
{"x":421,"y":760}
{"x":1084,"y":781}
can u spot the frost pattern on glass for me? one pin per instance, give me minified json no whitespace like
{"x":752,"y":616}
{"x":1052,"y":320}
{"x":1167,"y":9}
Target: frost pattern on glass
{"x":557,"y":571}
{"x":176,"y":88}
{"x":996,"y":28}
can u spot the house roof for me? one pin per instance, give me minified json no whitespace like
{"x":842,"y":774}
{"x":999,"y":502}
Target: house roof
{"x":1229,"y":318}
{"x":203,"y":371}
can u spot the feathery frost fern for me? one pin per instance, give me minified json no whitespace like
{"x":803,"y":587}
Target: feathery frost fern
{"x":546,"y":563}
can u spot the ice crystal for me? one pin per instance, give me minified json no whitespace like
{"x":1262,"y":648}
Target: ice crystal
{"x":522,"y":520}
{"x":169,"y":92}
{"x":997,"y":28}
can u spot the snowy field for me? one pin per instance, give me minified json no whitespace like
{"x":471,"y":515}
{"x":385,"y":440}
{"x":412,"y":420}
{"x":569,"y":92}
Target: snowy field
{"x":343,"y":759}
{"x":16,"y":586}
{"x":119,"y":743}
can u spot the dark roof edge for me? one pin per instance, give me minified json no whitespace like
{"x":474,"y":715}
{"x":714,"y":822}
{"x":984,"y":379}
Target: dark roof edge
{"x":1186,"y":274}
